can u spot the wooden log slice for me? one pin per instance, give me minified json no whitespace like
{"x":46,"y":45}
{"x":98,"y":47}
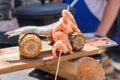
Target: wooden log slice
{"x":85,"y":68}
{"x":30,"y":45}
{"x":89,"y":69}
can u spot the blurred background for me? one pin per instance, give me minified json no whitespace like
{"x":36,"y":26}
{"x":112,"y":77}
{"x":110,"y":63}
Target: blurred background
{"x":19,"y":13}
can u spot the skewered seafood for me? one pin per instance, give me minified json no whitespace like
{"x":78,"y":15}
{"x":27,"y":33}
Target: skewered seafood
{"x":63,"y":37}
{"x":68,"y":28}
{"x":70,"y":24}
{"x":68,"y":15}
{"x":62,"y":27}
{"x":59,"y":46}
{"x":64,"y":31}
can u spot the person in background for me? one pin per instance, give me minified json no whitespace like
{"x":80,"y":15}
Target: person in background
{"x":101,"y":16}
{"x":98,"y":15}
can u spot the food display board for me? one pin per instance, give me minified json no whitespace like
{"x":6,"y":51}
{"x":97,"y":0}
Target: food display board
{"x":11,"y":61}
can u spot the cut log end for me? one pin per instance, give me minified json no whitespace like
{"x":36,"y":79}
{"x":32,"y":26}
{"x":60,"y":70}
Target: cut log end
{"x":89,"y":69}
{"x":85,"y":68}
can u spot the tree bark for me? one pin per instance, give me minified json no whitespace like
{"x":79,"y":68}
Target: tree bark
{"x":85,"y":68}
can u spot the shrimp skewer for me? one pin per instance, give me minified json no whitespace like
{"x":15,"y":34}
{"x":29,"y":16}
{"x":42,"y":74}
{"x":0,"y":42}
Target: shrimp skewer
{"x":62,"y":36}
{"x":62,"y":27}
{"x":61,"y":32}
{"x":59,"y":46}
{"x":66,"y":26}
{"x":68,"y":15}
{"x":69,"y":23}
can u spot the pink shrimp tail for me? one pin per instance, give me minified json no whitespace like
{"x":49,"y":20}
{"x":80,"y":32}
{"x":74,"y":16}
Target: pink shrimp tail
{"x":54,"y":53}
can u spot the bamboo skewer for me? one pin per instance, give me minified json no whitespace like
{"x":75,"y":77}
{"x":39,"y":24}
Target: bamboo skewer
{"x":58,"y":65}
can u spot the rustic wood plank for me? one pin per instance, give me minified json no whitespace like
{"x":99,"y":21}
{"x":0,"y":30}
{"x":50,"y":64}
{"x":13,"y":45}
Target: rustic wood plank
{"x":85,"y":68}
{"x":11,"y":61}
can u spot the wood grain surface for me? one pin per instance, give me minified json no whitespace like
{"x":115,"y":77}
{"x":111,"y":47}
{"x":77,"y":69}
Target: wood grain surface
{"x":11,"y":61}
{"x":85,"y":68}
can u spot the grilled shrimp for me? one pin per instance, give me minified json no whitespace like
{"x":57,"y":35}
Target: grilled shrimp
{"x":59,"y":46}
{"x":67,"y":14}
{"x":59,"y":35}
{"x":40,"y":30}
{"x":62,"y":27}
{"x":69,"y":23}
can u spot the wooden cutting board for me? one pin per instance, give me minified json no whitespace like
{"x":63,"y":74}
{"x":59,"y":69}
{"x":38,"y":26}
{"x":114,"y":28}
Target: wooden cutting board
{"x":11,"y":61}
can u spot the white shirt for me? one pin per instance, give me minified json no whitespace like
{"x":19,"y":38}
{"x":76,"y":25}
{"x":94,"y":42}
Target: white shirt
{"x":97,"y":7}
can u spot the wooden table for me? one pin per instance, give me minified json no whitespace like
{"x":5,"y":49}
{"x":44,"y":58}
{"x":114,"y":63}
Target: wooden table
{"x":11,"y":61}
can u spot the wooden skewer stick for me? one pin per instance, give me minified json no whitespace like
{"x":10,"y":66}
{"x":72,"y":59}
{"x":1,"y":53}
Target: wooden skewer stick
{"x":68,"y":7}
{"x":58,"y":64}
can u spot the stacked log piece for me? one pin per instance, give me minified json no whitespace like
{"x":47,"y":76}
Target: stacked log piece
{"x":85,"y":68}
